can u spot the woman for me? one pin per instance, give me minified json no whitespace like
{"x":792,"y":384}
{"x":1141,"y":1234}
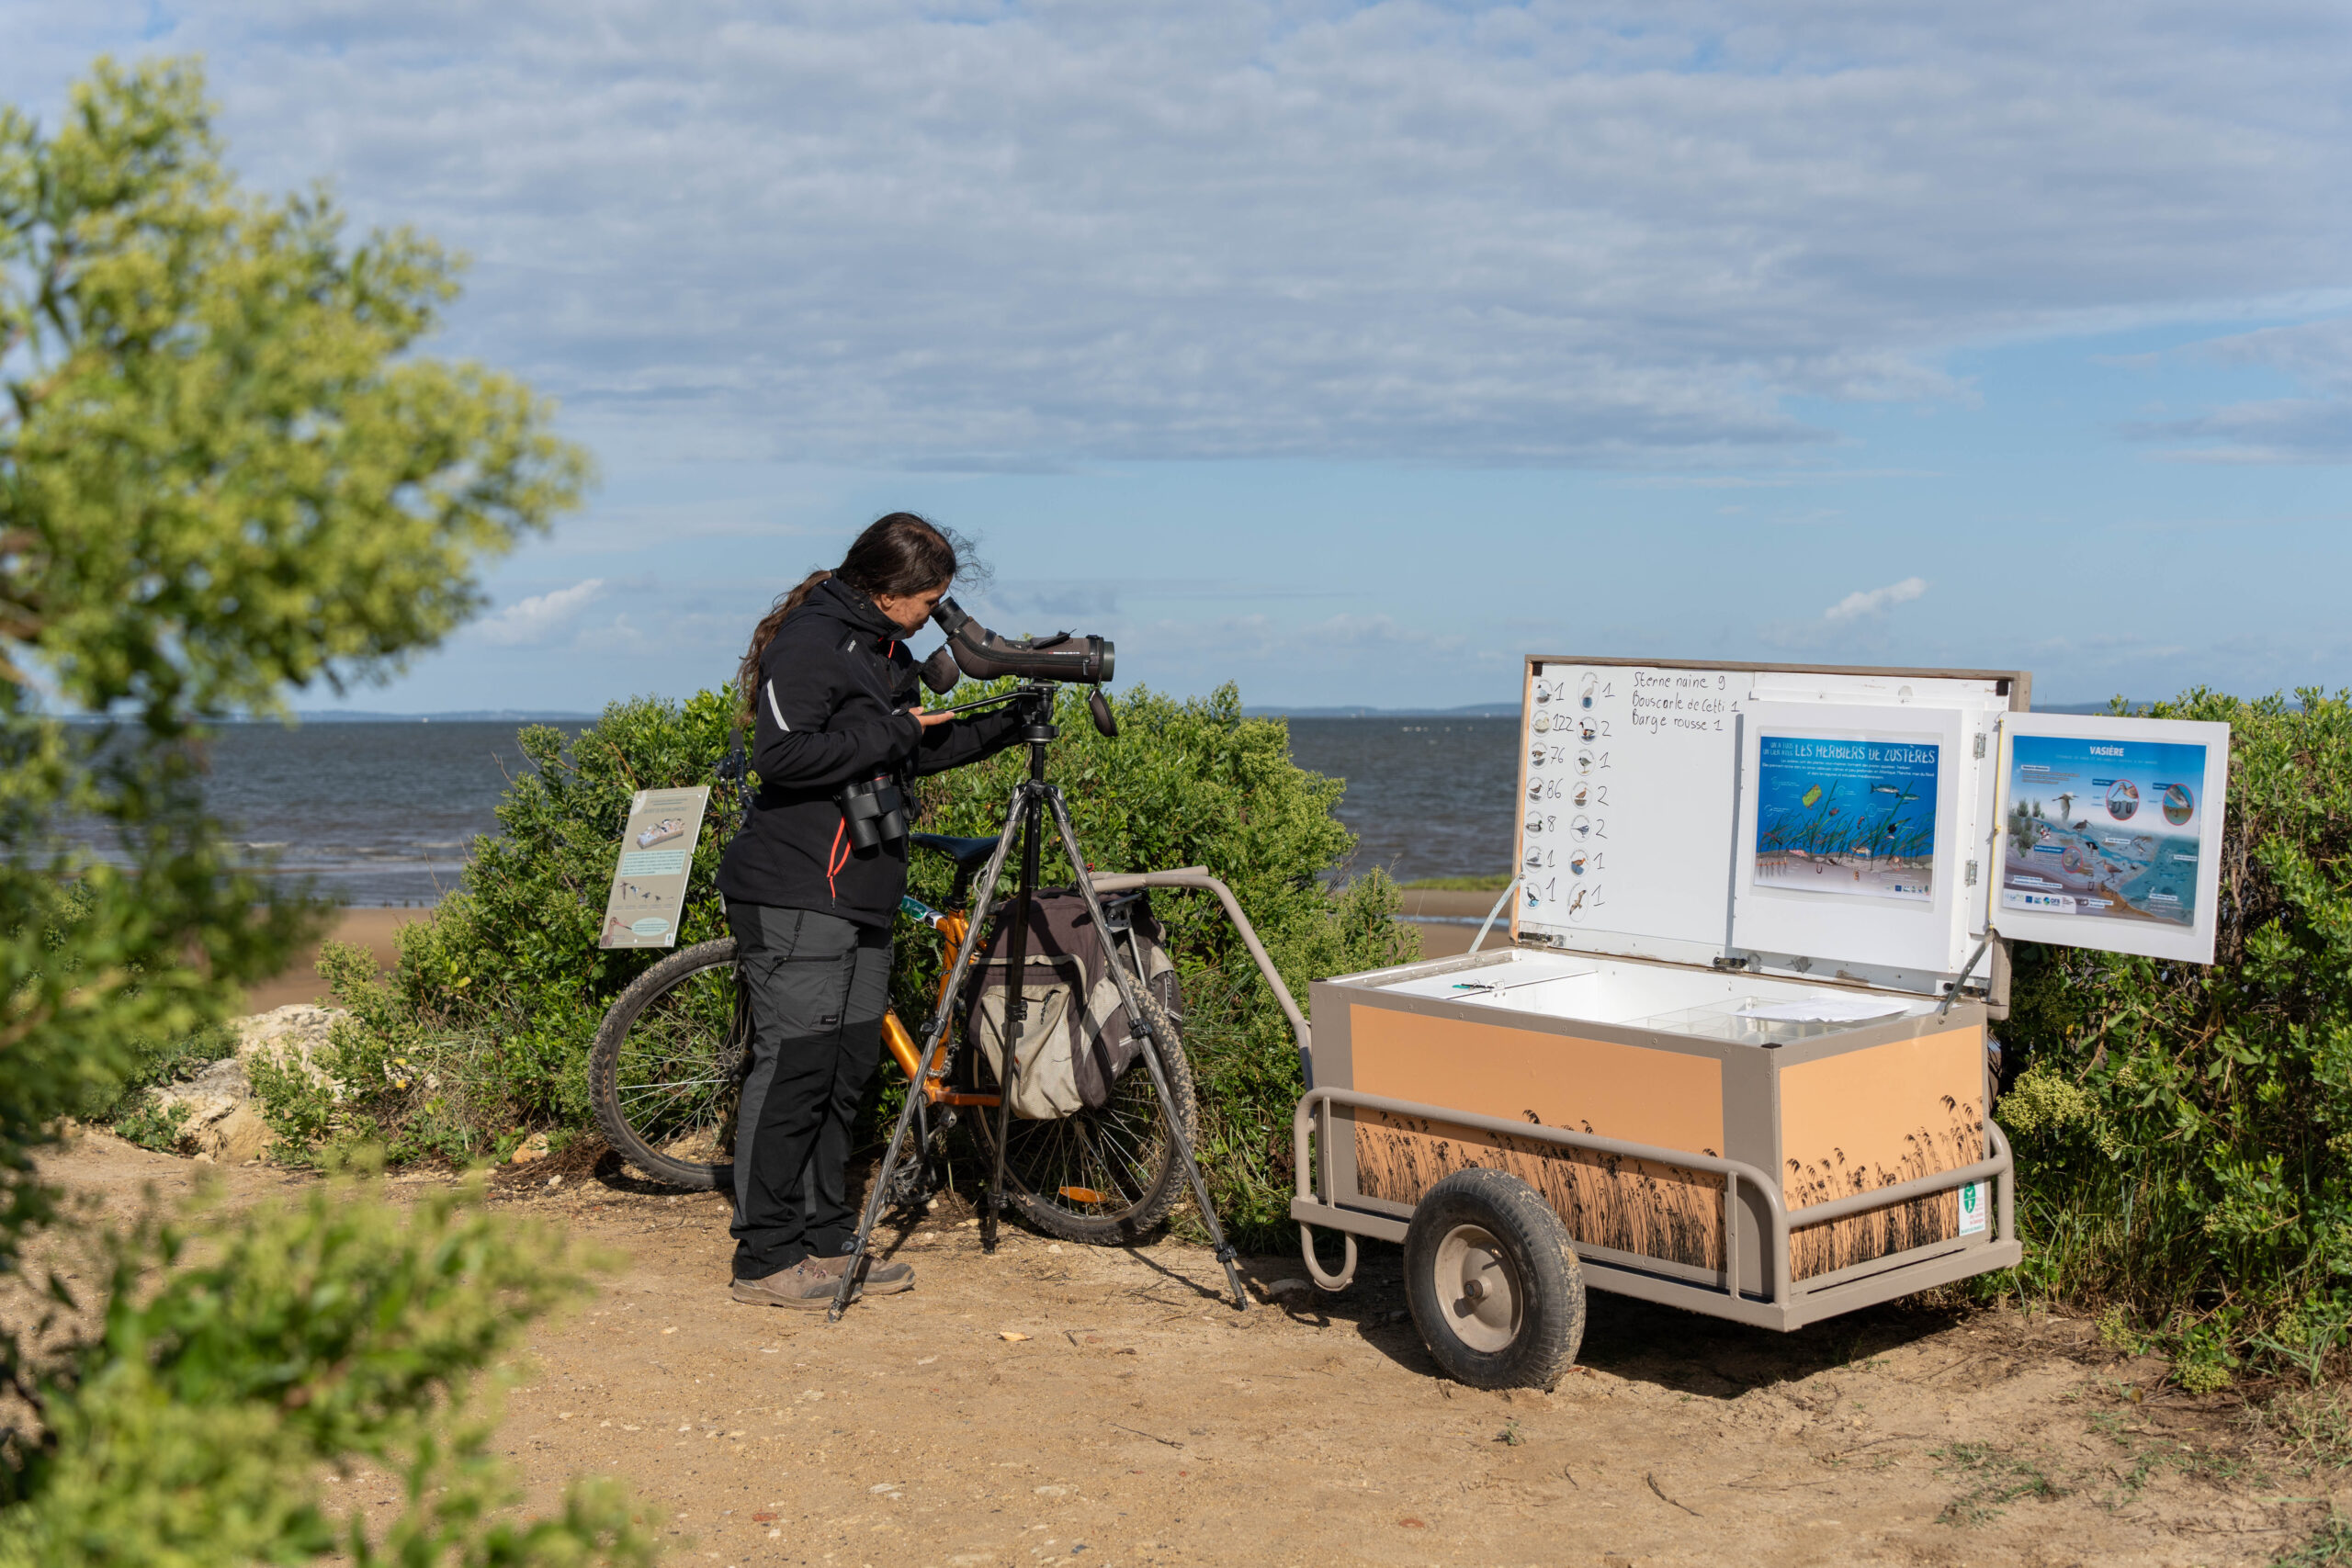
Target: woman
{"x":832,"y":691}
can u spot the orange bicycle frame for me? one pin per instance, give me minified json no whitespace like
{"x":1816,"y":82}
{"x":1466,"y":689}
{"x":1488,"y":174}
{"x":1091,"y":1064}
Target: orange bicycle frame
{"x":953,"y":927}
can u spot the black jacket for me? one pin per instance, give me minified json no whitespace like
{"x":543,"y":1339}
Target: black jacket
{"x":834,"y":688}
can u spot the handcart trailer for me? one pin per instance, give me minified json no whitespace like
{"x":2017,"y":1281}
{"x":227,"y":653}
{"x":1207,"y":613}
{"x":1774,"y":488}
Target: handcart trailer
{"x":1725,"y":1065}
{"x":1736,"y":1057}
{"x":1643,"y":1152}
{"x":1661,"y":1214}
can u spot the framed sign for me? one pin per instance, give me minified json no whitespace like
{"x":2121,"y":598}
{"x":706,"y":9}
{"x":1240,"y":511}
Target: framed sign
{"x":1848,"y":840}
{"x":2111,"y":833}
{"x":1847,"y":817}
{"x":657,"y":856}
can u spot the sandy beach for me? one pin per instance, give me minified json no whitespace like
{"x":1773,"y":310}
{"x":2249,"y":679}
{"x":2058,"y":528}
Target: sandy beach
{"x":298,"y":982}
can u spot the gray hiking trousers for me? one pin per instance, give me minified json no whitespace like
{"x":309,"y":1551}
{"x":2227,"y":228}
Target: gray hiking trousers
{"x":819,"y":986}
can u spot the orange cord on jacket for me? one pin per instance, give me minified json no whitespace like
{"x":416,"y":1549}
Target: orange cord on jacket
{"x":835,"y":859}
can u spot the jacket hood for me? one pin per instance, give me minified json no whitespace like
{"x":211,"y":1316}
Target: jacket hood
{"x":850,"y":606}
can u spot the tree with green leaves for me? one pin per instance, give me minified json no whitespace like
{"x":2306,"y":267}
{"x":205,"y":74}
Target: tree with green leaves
{"x":226,"y":475}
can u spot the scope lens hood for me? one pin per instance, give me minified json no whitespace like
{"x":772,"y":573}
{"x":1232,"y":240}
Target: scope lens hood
{"x":938,"y":671}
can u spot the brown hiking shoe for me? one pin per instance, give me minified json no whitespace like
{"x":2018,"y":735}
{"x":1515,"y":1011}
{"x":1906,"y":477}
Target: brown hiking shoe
{"x":882,"y":1279}
{"x":803,"y":1286}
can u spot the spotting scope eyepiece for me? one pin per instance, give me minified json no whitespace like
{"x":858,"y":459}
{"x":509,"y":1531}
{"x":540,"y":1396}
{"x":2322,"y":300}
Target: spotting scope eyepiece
{"x":984,"y":656}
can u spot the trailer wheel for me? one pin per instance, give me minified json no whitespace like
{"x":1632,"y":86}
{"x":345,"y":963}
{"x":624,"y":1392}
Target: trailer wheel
{"x":1492,"y":1276}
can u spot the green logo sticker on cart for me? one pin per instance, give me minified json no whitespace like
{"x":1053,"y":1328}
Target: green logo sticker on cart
{"x":1973,"y":1199}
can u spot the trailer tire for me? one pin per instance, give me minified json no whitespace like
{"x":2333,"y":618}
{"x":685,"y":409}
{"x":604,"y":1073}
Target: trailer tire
{"x":1492,"y":1279}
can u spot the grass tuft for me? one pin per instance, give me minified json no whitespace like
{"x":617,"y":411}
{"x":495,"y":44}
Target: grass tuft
{"x":1996,"y":1477}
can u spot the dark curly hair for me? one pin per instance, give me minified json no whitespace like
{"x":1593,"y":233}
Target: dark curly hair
{"x":896,"y":555}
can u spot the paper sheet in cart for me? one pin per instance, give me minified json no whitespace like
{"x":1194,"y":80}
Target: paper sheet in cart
{"x":1824,"y":1009}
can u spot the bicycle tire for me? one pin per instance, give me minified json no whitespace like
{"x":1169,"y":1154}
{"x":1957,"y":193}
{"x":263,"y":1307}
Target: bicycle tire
{"x":1057,"y":1174}
{"x":668,"y":1064}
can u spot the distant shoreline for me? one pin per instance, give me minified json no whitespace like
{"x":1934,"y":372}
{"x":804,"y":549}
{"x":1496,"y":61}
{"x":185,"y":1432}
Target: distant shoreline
{"x":1276,"y":710}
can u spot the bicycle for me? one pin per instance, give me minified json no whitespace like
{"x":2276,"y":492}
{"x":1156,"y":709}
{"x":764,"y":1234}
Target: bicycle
{"x":670,"y":1057}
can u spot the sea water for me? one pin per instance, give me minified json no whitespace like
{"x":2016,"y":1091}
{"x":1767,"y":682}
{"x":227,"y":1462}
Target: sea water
{"x":387,"y":813}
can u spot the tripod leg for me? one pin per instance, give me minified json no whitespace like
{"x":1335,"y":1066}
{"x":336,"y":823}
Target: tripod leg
{"x":934,"y":1035}
{"x":1030,"y":817}
{"x":855,"y":1269}
{"x":923,"y":1140}
{"x":1119,"y":978}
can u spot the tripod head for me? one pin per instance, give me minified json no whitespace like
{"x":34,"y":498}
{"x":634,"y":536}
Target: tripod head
{"x":1039,"y":697}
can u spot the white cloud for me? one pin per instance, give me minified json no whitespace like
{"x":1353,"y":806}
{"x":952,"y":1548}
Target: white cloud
{"x":540,"y":618}
{"x":2314,"y":428}
{"x":1874,"y":601}
{"x":1003,"y":236}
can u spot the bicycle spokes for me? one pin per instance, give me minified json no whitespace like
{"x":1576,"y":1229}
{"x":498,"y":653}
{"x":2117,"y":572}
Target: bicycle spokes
{"x":680,"y":1070}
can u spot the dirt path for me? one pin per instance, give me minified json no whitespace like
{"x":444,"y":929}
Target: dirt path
{"x":1055,"y":1405}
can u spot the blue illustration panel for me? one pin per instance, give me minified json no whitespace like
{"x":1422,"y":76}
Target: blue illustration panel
{"x":1847,"y":819}
{"x":2106,"y":829}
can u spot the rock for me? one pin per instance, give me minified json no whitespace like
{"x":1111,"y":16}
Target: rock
{"x":531,"y":1148}
{"x":292,"y":1034}
{"x":224,"y":1124}
{"x":1290,"y":1287}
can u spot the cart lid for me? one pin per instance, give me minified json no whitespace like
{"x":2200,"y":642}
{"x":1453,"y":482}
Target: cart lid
{"x":1834,"y":824}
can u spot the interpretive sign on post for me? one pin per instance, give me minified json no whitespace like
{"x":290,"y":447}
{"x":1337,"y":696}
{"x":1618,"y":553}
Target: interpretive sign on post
{"x":656,"y":858}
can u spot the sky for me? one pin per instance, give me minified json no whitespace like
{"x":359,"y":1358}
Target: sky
{"x":1352,"y":351}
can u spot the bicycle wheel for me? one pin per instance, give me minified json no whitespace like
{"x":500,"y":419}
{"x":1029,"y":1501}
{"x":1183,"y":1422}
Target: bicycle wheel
{"x":1107,"y":1177}
{"x":668,"y":1064}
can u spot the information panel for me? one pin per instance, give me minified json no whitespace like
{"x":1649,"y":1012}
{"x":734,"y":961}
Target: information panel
{"x":656,"y":859}
{"x":1849,"y":833}
{"x":2111,"y":833}
{"x":1847,"y":819}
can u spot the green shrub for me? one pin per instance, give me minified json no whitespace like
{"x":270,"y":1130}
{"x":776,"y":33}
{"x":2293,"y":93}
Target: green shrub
{"x":484,"y":1027}
{"x":227,"y":476}
{"x":2184,"y":1134}
{"x":152,"y":1124}
{"x":326,"y":1330}
{"x":484,"y":1023}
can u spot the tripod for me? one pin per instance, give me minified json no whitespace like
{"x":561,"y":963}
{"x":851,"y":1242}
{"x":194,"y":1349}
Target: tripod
{"x":1025,"y":814}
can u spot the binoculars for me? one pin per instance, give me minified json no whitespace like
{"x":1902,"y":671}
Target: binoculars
{"x":873,"y":811}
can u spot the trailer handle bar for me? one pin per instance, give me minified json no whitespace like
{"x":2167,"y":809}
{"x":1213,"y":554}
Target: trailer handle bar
{"x":1197,"y":876}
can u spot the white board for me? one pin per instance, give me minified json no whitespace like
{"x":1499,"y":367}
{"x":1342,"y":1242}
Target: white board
{"x":2111,"y":833}
{"x":1630,"y":774}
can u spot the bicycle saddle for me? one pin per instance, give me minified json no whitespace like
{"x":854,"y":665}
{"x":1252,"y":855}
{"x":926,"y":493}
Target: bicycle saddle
{"x":969,"y":853}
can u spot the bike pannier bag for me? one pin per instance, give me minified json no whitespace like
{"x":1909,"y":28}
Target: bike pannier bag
{"x":1076,"y":1042}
